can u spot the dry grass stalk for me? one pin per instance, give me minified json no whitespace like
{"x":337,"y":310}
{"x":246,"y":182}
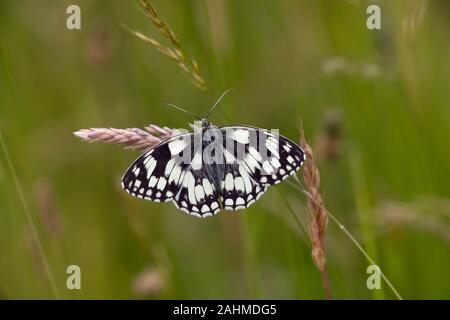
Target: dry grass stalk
{"x":177,"y":53}
{"x":319,"y":218}
{"x":131,"y":138}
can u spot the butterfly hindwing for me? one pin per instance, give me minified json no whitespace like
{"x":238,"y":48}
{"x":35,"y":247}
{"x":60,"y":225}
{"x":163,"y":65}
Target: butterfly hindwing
{"x":197,"y":195}
{"x":239,"y":190}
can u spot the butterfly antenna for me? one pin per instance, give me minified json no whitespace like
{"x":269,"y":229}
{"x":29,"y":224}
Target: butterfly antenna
{"x":181,"y":109}
{"x":217,"y":103}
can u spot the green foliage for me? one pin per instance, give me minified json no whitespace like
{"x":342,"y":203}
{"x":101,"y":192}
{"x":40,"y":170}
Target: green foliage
{"x":286,"y":60}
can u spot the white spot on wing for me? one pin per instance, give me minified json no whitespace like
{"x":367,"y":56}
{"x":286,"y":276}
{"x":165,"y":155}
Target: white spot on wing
{"x":152,"y":182}
{"x":251,"y":163}
{"x":161,"y":183}
{"x":272,"y":140}
{"x":275,"y":163}
{"x":239,"y":184}
{"x":272,"y":148}
{"x":150,"y":167}
{"x":246,"y":179}
{"x":175,"y":174}
{"x":176,"y":146}
{"x":199,"y":193}
{"x":240,"y":135}
{"x":229,"y":158}
{"x":190,"y":186}
{"x":229,"y":185}
{"x":196,"y":163}
{"x":185,"y":210}
{"x":169,"y":167}
{"x":207,"y":186}
{"x":267,"y":167}
{"x":254,"y":153}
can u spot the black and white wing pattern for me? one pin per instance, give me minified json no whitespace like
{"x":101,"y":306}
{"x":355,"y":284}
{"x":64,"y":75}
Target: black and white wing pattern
{"x":255,"y":159}
{"x":157,"y":175}
{"x":202,"y":173}
{"x":173,"y":171}
{"x":239,"y":189}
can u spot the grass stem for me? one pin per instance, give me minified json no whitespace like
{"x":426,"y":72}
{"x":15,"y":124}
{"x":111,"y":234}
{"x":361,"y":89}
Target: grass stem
{"x":352,"y":238}
{"x":30,"y":219}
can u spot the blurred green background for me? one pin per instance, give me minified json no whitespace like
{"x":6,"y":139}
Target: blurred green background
{"x":375,"y":106}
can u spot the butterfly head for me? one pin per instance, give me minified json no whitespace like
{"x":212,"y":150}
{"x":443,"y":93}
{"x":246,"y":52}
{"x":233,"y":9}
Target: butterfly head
{"x":205,"y":123}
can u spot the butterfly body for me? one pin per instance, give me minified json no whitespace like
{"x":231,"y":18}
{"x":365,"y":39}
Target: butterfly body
{"x":213,"y":170}
{"x":226,"y":168}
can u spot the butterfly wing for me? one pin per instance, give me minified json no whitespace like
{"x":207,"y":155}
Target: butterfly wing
{"x":252,"y":160}
{"x":173,"y":170}
{"x":197,"y":195}
{"x":255,"y":159}
{"x":156,"y":175}
{"x":239,"y":189}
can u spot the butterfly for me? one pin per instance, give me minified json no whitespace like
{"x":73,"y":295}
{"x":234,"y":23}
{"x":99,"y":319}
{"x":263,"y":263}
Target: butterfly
{"x":214,"y":169}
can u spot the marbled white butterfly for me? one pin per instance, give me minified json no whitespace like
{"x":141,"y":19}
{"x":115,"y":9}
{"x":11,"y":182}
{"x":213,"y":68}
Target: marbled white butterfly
{"x":217,"y":168}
